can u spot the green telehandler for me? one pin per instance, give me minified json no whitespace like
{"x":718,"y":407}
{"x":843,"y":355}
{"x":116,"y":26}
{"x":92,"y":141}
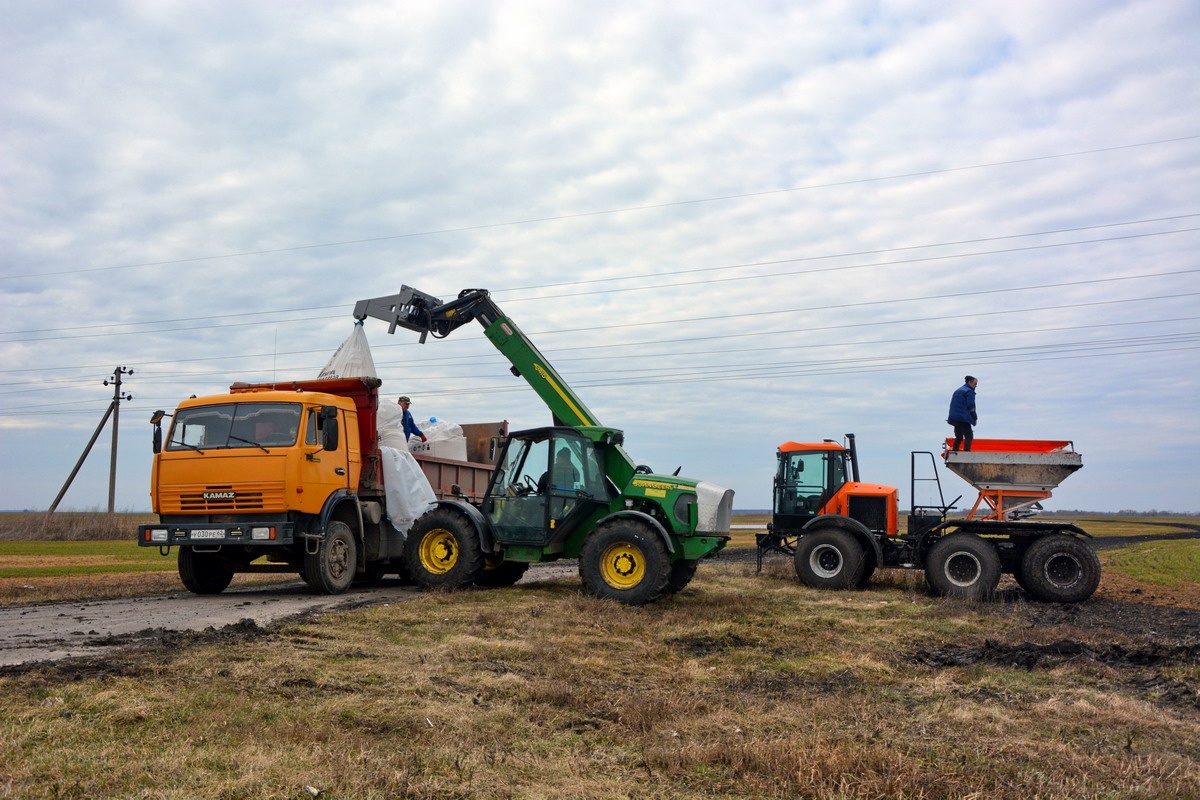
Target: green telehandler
{"x":568,"y":490}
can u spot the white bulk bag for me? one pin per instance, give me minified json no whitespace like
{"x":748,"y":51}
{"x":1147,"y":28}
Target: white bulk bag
{"x":405,"y":488}
{"x":352,"y":358}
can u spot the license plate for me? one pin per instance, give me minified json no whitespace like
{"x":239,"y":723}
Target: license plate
{"x":208,"y":534}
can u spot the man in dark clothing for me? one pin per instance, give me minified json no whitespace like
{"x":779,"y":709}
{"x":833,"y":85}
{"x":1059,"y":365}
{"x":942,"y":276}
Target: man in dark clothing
{"x":410,"y":425}
{"x":962,"y":413}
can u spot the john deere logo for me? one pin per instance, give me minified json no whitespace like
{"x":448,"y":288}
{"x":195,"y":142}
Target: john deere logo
{"x":220,"y":495}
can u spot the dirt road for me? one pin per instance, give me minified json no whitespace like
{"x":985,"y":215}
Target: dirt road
{"x":52,"y":631}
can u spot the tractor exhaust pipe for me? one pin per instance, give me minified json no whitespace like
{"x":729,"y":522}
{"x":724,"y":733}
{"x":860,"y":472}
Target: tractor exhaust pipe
{"x":853,"y":456}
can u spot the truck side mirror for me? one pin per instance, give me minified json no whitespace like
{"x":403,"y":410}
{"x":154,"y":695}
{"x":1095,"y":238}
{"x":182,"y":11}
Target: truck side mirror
{"x":156,"y":421}
{"x":329,"y":428}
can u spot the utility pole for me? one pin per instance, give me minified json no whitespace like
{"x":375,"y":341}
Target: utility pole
{"x":114,"y":411}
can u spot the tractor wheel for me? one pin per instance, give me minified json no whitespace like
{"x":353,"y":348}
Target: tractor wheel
{"x":204,"y":573}
{"x":331,"y":569}
{"x":1060,"y":569}
{"x":962,"y":565}
{"x":682,"y":573}
{"x":442,"y":550}
{"x":497,"y":572}
{"x":830,"y":558}
{"x":625,"y":561}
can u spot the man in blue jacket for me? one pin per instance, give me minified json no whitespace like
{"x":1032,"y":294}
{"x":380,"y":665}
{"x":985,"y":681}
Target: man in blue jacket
{"x":962,"y":413}
{"x":410,"y":425}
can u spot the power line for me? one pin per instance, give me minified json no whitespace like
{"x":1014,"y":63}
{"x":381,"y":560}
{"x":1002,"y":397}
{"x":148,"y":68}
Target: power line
{"x":605,"y":212}
{"x":672,"y":285}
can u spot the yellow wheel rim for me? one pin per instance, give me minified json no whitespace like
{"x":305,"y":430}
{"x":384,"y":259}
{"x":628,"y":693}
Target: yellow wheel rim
{"x":623,"y":566}
{"x":439,"y":552}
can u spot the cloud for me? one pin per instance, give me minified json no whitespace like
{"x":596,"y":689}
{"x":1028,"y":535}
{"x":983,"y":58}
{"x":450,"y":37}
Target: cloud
{"x":728,"y":226}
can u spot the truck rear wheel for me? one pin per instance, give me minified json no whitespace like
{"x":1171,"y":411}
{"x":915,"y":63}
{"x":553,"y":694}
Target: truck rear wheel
{"x":331,"y":569}
{"x":1060,"y":569}
{"x":962,"y":565}
{"x":625,"y":561}
{"x":830,"y":558}
{"x":497,"y":572}
{"x":442,"y":550}
{"x":204,"y":573}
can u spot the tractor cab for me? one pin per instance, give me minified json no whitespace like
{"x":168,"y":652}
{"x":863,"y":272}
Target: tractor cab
{"x":548,"y":479}
{"x":815,"y":479}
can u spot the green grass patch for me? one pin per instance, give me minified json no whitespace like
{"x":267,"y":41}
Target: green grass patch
{"x":1166,"y":563}
{"x":32,"y":559}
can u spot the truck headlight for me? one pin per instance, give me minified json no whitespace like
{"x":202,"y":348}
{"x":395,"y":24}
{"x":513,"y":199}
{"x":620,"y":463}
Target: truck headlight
{"x":156,"y":535}
{"x":262,"y":534}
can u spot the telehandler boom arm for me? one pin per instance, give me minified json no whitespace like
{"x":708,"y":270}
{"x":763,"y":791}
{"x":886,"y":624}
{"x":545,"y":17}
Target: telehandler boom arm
{"x":426,"y":314}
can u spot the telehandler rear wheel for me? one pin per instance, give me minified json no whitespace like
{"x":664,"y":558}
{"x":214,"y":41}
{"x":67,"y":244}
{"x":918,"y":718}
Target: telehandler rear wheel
{"x":1060,"y":569}
{"x":203,"y":573}
{"x":962,"y":565}
{"x":331,"y":569}
{"x":830,"y":558}
{"x":442,"y":550}
{"x":626,"y":561}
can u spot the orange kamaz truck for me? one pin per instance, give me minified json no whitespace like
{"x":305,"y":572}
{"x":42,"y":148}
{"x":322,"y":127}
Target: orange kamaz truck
{"x":289,"y":477}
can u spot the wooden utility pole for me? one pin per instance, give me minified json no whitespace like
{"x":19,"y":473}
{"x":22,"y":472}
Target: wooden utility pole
{"x":114,"y":411}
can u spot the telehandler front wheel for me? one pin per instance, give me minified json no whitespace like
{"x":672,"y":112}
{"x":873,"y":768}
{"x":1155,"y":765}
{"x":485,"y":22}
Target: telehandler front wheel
{"x":625,"y":561}
{"x":442,"y":550}
{"x":682,"y":573}
{"x":962,"y":565}
{"x":330,"y":570}
{"x":1059,"y":569}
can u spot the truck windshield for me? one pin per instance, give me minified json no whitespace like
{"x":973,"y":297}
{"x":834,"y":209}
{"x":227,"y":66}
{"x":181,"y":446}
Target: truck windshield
{"x":229,"y":425}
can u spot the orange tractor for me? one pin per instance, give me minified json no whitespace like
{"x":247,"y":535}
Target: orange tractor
{"x":839,"y":530}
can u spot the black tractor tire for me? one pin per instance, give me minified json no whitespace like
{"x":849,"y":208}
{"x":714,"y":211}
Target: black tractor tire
{"x":204,"y":573}
{"x":830,"y":558}
{"x":682,"y":572}
{"x":443,"y":551}
{"x":331,"y":569}
{"x":626,"y":561}
{"x":1060,"y":569}
{"x":963,"y":565}
{"x":498,"y":573}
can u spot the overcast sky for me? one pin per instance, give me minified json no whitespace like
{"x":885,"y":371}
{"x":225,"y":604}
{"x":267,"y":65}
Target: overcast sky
{"x":729,"y":225}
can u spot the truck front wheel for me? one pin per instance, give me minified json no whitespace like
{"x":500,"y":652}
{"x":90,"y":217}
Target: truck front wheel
{"x":1060,"y":569}
{"x":962,"y":565}
{"x":625,"y":561}
{"x":442,"y":550}
{"x":830,"y":558}
{"x":331,"y":569}
{"x":204,"y":573}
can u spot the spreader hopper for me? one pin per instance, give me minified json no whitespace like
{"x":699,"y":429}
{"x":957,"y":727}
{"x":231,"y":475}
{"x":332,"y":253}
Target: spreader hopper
{"x":1012,"y":474}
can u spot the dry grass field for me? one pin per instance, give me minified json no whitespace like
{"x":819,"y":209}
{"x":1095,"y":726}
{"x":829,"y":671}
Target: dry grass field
{"x":744,"y":685}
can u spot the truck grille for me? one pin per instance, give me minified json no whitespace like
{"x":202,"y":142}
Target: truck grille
{"x":870,"y":511}
{"x":220,"y":499}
